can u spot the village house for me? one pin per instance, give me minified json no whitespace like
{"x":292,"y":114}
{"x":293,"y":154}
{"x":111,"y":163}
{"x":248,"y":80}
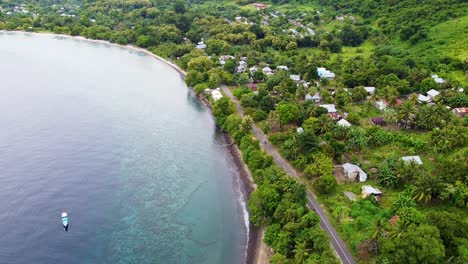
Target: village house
{"x":331,"y":111}
{"x":201,"y":45}
{"x":253,"y":69}
{"x":330,"y":107}
{"x":316,"y":98}
{"x":282,"y":67}
{"x":423,"y":99}
{"x":267,"y":70}
{"x":368,"y":190}
{"x":381,"y":105}
{"x":240,"y":69}
{"x":461,"y":111}
{"x":437,"y":79}
{"x":324,"y":73}
{"x":354,"y":172}
{"x":216,"y":94}
{"x":300,"y":130}
{"x":370,"y":90}
{"x":415,"y":159}
{"x":432,"y":94}
{"x":343,"y":123}
{"x":252,"y":86}
{"x":296,"y":78}
{"x":260,"y":6}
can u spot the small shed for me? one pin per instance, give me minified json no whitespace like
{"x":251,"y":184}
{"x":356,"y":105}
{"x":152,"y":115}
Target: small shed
{"x":300,"y":130}
{"x":354,"y":172}
{"x":415,"y":159}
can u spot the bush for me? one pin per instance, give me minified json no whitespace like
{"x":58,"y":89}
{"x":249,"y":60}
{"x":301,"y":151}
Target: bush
{"x":241,"y":91}
{"x":199,"y":88}
{"x":326,"y":184}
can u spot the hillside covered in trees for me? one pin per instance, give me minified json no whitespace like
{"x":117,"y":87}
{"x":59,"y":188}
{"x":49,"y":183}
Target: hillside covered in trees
{"x":335,"y":84}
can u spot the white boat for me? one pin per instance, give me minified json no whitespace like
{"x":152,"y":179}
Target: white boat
{"x":65,"y":220}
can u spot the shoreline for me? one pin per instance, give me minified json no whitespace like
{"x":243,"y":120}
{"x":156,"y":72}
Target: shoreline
{"x":256,"y":249}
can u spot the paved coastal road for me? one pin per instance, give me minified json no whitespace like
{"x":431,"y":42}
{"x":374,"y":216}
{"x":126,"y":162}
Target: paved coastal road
{"x":337,"y":243}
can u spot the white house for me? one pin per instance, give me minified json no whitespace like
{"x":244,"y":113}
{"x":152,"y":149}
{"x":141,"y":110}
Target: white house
{"x":316,"y":98}
{"x":295,"y":77}
{"x":432,"y":93}
{"x":415,"y":159}
{"x":354,"y":172}
{"x":330,"y":107}
{"x":343,"y":123}
{"x":370,"y":90}
{"x":201,"y":45}
{"x":300,"y":130}
{"x":282,"y":67}
{"x":437,"y":79}
{"x":240,"y":69}
{"x":267,"y":70}
{"x":324,"y":73}
{"x":216,"y":94}
{"x":226,"y":57}
{"x":243,"y":63}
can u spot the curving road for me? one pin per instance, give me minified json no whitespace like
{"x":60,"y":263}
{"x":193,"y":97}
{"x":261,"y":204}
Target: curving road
{"x":338,"y":244}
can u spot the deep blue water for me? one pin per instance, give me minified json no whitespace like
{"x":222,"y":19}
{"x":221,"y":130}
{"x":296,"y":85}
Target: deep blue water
{"x":115,"y":138}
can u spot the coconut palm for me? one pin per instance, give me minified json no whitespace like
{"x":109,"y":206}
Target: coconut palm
{"x":323,"y":124}
{"x":426,"y":188}
{"x":406,"y":113}
{"x":301,"y":252}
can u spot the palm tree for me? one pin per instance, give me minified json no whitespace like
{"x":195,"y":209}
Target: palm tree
{"x":433,"y":116}
{"x":427,"y":186}
{"x":406,"y":113}
{"x":443,"y":139}
{"x":300,"y":252}
{"x":324,"y":124}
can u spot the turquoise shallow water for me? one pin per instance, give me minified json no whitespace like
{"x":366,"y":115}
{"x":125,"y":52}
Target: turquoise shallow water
{"x":115,"y":138}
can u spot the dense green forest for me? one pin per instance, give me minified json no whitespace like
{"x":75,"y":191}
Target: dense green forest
{"x":330,"y":83}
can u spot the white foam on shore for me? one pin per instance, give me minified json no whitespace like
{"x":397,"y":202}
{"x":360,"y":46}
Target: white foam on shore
{"x":245,"y":213}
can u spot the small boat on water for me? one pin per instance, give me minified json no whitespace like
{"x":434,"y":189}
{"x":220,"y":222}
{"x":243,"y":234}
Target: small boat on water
{"x":65,"y":220}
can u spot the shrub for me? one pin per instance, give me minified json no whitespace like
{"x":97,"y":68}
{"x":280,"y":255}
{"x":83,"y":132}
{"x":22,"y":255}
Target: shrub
{"x":326,"y":184}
